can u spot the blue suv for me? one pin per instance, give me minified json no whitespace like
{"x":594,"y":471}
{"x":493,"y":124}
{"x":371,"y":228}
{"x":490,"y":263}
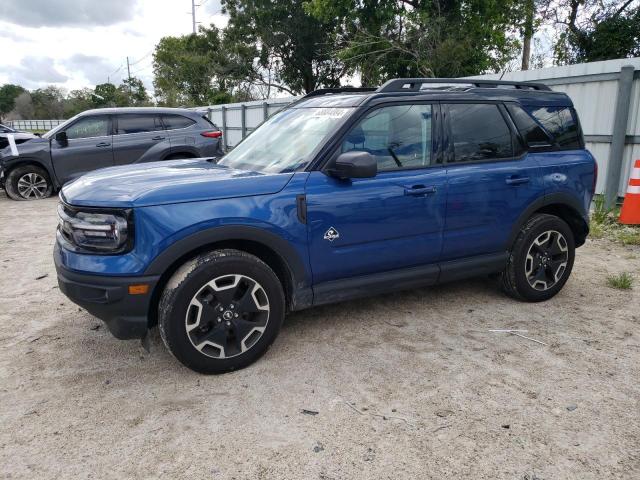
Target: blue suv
{"x":346,"y":193}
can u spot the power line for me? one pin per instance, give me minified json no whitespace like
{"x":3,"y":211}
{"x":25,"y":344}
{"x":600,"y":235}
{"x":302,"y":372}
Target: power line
{"x":141,"y":70}
{"x":116,"y":70}
{"x":142,"y":58}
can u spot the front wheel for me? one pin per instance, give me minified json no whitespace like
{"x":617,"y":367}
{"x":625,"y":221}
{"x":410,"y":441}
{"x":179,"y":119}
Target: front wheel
{"x":541,"y":259}
{"x":221,"y":311}
{"x":28,"y":182}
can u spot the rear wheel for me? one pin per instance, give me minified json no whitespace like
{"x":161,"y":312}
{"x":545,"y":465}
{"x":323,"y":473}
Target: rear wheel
{"x":221,"y":311}
{"x":541,"y":259}
{"x":28,"y":182}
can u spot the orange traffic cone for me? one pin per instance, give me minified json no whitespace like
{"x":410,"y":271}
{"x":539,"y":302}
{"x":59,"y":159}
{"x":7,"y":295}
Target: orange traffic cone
{"x":630,"y":213}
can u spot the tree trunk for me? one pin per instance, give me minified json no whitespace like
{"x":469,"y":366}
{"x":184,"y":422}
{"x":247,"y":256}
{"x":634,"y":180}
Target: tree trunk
{"x":527,"y":34}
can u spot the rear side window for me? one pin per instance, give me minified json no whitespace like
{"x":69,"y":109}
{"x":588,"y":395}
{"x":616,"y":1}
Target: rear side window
{"x":479,"y":132}
{"x":138,"y":124}
{"x":172,"y":122}
{"x":206,"y":119}
{"x":560,"y":123}
{"x":531,"y":131}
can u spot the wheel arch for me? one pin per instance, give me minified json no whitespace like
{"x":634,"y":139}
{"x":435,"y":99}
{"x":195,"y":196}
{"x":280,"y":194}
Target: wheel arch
{"x":189,"y":152}
{"x":275,"y":251}
{"x":22,"y":162}
{"x":561,"y":205}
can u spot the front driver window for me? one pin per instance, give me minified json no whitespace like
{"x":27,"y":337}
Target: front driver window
{"x":89,"y":127}
{"x":398,"y":137}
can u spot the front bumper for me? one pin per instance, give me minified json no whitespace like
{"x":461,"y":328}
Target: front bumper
{"x":108,"y":298}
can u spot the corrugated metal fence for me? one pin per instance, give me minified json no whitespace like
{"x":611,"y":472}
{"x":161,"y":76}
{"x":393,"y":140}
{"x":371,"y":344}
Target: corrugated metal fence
{"x":236,"y":120}
{"x":606,"y":96}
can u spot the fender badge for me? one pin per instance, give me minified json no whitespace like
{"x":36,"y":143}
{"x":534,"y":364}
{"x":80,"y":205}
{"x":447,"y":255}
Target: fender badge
{"x":331,"y":234}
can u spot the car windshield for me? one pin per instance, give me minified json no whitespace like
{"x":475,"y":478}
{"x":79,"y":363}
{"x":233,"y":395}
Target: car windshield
{"x":286,"y":141}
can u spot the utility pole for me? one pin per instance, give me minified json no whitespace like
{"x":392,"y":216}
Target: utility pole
{"x":129,"y":75}
{"x":193,"y":15}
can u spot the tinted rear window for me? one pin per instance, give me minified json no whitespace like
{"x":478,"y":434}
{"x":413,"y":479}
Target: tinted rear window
{"x":138,"y":123}
{"x":479,"y":132}
{"x":176,"y":121}
{"x":560,"y":123}
{"x":531,"y":131}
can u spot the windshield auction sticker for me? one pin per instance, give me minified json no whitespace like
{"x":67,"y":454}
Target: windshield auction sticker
{"x":12,"y":144}
{"x":330,"y":112}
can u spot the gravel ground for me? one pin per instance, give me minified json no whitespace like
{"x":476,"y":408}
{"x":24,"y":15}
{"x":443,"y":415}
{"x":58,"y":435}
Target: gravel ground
{"x":411,"y":385}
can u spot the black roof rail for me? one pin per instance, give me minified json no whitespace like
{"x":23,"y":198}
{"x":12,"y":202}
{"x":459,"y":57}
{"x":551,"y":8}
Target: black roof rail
{"x":325,"y":91}
{"x":414,"y":84}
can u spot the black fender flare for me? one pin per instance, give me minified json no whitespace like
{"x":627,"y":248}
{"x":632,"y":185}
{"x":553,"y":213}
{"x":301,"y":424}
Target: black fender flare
{"x":301,"y":293}
{"x":196,"y":241}
{"x":558,"y":198}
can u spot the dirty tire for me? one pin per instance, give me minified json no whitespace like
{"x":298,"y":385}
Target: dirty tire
{"x":14,"y":176}
{"x":189,"y":291}
{"x":514,"y":280}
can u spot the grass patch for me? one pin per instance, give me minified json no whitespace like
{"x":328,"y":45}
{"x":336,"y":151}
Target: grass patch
{"x":629,"y":236}
{"x":604,"y":224}
{"x":622,"y":281}
{"x":600,"y":214}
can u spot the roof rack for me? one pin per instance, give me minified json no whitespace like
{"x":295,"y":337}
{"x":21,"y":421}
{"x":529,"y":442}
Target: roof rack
{"x":415,"y":84}
{"x":325,"y":91}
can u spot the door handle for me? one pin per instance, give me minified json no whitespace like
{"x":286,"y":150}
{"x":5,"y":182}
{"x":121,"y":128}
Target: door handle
{"x":158,"y":138}
{"x":103,"y":144}
{"x":516,"y":180}
{"x":419,"y":190}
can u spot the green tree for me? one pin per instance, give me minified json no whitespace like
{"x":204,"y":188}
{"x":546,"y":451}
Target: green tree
{"x":593,"y":30}
{"x":48,"y":102}
{"x":8,"y":95}
{"x":132,"y":93}
{"x":192,"y":69}
{"x":294,"y":48}
{"x":105,"y":95}
{"x":78,"y":101}
{"x":407,"y":38}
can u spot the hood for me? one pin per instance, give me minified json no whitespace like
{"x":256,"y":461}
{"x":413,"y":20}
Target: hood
{"x":27,"y":144}
{"x":159,"y":183}
{"x":20,"y":135}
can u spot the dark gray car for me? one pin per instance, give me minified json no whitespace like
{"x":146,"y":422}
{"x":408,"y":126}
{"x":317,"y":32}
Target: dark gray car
{"x":104,"y":138}
{"x":18,"y":136}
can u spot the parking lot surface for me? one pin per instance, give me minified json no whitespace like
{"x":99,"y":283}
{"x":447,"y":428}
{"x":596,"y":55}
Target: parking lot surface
{"x":405,"y":385}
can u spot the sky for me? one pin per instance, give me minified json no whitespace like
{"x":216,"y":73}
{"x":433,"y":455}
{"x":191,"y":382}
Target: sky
{"x":80,"y":43}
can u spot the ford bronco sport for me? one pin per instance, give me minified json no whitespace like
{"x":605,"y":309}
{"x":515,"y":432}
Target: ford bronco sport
{"x":345,"y":193}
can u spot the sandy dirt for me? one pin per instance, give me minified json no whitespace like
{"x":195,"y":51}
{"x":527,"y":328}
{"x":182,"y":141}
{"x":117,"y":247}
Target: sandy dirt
{"x":433,"y":394}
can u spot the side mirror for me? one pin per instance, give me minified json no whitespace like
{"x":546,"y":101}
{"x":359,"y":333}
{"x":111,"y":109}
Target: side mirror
{"x":354,"y":164}
{"x":61,"y":138}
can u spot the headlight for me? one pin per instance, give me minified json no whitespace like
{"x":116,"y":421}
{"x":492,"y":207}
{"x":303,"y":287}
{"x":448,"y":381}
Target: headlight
{"x":95,"y":230}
